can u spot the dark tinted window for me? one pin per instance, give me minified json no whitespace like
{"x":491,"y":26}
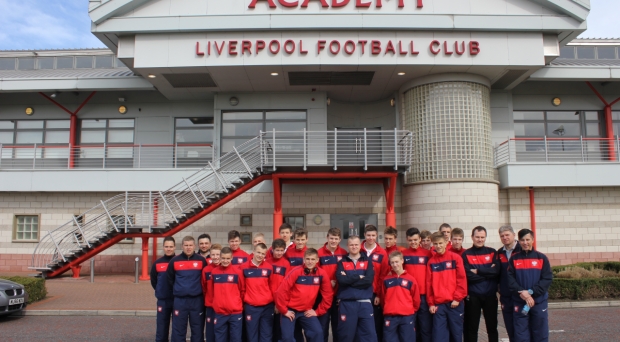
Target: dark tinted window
{"x":585,"y":52}
{"x":46,"y":63}
{"x":103,"y":61}
{"x":83,"y":62}
{"x":7,"y":63}
{"x":567,"y":52}
{"x":64,"y":62}
{"x":605,"y":52}
{"x":25,"y":63}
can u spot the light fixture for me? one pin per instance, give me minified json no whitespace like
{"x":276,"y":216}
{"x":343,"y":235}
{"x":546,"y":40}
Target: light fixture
{"x":392,"y":102}
{"x":122,"y":109}
{"x":121,"y":99}
{"x":556,"y":101}
{"x":329,"y":101}
{"x":29,"y":110}
{"x":274,"y":74}
{"x":54,"y":95}
{"x":233,"y":101}
{"x":151,"y":76}
{"x":401,"y":73}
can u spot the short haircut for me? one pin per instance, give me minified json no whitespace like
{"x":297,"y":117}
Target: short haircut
{"x":457,"y":232}
{"x":524,"y":232}
{"x":233,"y":234}
{"x":188,"y":238}
{"x":395,"y":254}
{"x":413,"y":231}
{"x":371,"y":228}
{"x":301,"y":232}
{"x":506,"y":228}
{"x":261,"y":245}
{"x":353,"y":237}
{"x":284,"y":226}
{"x":437,"y":236}
{"x":478,"y":229}
{"x":204,"y":236}
{"x":425,"y":234}
{"x":169,"y":238}
{"x":444,"y":225}
{"x":311,"y":251}
{"x":226,"y":250}
{"x":278,"y":243}
{"x":216,"y":247}
{"x":257,"y":235}
{"x":390,"y":231}
{"x":334,"y":232}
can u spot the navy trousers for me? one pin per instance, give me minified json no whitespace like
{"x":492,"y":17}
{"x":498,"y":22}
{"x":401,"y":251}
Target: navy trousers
{"x":259,"y":322}
{"x":423,"y":322}
{"x":310,"y":325}
{"x":355,"y":318}
{"x":209,"y":328}
{"x":533,"y":327}
{"x":277,"y":331}
{"x":228,"y":327}
{"x":188,"y":309}
{"x":448,"y":323}
{"x":399,"y":328}
{"x":330,"y":316}
{"x":507,"y":311}
{"x":164,"y":314}
{"x":378,"y":314}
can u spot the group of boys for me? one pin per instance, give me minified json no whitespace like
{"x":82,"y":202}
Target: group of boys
{"x":367,"y":293}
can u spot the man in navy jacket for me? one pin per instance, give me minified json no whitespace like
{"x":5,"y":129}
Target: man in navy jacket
{"x":504,"y":254}
{"x":163,"y":291}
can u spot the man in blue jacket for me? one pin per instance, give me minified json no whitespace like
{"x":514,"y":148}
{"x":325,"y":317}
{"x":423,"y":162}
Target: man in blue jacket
{"x":163,"y":291}
{"x":511,"y":247}
{"x":482,"y":269}
{"x":355,"y":276}
{"x":184,"y":276}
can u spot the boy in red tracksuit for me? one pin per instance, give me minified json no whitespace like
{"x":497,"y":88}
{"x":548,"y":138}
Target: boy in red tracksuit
{"x":286,"y":232}
{"x":228,"y":291}
{"x":446,"y":287}
{"x":280,"y":268}
{"x":401,"y":300}
{"x":329,"y":256}
{"x":297,"y":294}
{"x":390,"y":236}
{"x":239,"y":255}
{"x":258,"y":299}
{"x":416,"y":260}
{"x":380,"y":264}
{"x":207,"y":289}
{"x":295,"y":256}
{"x":456,"y":238}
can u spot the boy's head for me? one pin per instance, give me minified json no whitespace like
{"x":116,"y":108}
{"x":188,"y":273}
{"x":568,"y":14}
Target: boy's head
{"x":426,"y":242}
{"x":456,"y":237}
{"x":234,"y":240}
{"x":278,"y":246}
{"x":396,"y":261}
{"x":311,"y":258}
{"x":301,"y":238}
{"x":389,"y":235}
{"x":169,"y":246}
{"x":260,"y":252}
{"x":189,"y":245}
{"x":216,"y":251}
{"x":286,"y":231}
{"x":204,"y":243}
{"x":333,"y":238}
{"x":370,"y":234}
{"x":258,"y":238}
{"x":445,"y":229}
{"x":226,"y":256}
{"x":440,"y":243}
{"x":413,"y":237}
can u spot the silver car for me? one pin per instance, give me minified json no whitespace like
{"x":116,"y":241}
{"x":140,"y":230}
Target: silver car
{"x":13,"y":297}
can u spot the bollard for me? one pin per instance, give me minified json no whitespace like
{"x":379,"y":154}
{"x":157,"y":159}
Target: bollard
{"x":137,"y":269}
{"x":92,"y":270}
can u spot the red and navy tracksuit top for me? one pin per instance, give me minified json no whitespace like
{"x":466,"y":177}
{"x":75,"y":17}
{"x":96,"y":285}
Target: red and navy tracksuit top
{"x":504,"y":289}
{"x":259,"y":283}
{"x":394,"y":248}
{"x":416,"y":261}
{"x":400,"y":294}
{"x":207,"y":283}
{"x":185,"y":273}
{"x":159,"y":278}
{"x":380,"y":265}
{"x":328,"y":261}
{"x":228,"y":290}
{"x":295,"y":256}
{"x":300,"y":289}
{"x":445,"y":279}
{"x":350,"y":286}
{"x":529,"y":270}
{"x":484,"y":259}
{"x":280,"y":268}
{"x":239,"y":256}
{"x":459,"y":252}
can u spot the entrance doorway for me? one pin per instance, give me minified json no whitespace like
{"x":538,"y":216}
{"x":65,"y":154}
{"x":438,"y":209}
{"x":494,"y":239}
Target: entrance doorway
{"x":351,"y":145}
{"x":352,"y":224}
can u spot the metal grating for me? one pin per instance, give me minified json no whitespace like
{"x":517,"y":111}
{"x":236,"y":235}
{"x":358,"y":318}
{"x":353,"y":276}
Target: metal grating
{"x":509,"y":78}
{"x":190,"y":80}
{"x":330,"y":77}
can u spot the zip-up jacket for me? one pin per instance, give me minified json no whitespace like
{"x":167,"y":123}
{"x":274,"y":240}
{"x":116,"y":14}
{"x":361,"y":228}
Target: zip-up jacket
{"x":207,"y":283}
{"x":184,"y":274}
{"x":351,"y":286}
{"x":389,"y":250}
{"x":483,"y":259}
{"x":328,"y":261}
{"x":529,"y":270}
{"x":415,"y":265}
{"x":228,"y":289}
{"x":239,"y":257}
{"x":445,"y":279}
{"x":299,"y":291}
{"x":270,"y":251}
{"x":504,"y":289}
{"x":400,"y":294}
{"x":455,"y":251}
{"x":159,"y":278}
{"x":280,"y":267}
{"x":259,"y":283}
{"x":295,"y":257}
{"x":380,"y":265}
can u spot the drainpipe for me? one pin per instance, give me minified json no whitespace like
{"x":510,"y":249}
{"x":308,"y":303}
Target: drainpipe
{"x":277,"y":206}
{"x":533,"y":214}
{"x":145,"y":259}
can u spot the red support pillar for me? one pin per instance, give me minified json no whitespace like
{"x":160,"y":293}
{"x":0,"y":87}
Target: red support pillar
{"x":145,"y":259}
{"x":76,"y":271}
{"x":533,"y":215}
{"x":609,"y":128}
{"x":277,"y":206}
{"x":155,"y":222}
{"x":390,"y":193}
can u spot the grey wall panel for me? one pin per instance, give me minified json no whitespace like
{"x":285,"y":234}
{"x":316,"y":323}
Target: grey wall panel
{"x":559,"y":174}
{"x":360,"y":115}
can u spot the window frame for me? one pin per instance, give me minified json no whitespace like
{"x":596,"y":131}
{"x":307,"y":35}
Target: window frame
{"x":14,"y":238}
{"x":107,"y":129}
{"x":210,"y":126}
{"x":303,"y":218}
{"x":583,"y":121}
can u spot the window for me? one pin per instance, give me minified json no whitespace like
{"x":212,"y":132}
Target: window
{"x":26,"y":228}
{"x":116,"y":134}
{"x":606,"y":52}
{"x":194,"y":140}
{"x":567,"y":52}
{"x":83,"y":62}
{"x":295,"y":221}
{"x":26,"y":63}
{"x":7,"y":63}
{"x":30,"y":132}
{"x":585,"y":52}
{"x":616,"y":122}
{"x":64,"y":62}
{"x":238,"y":127}
{"x":104,"y":62}
{"x":46,"y":63}
{"x":245,"y":220}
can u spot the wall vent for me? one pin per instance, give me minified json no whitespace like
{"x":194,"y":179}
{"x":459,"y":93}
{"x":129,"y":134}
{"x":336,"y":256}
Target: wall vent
{"x":190,"y":80}
{"x":330,"y":78}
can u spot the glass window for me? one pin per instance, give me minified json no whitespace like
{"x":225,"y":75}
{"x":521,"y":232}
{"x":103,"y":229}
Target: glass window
{"x":90,"y":137}
{"x":593,"y":130}
{"x":283,"y":115}
{"x":567,"y":52}
{"x":563,"y":116}
{"x":529,"y":129}
{"x":57,"y":124}
{"x":592,"y":116}
{"x":29,"y":124}
{"x":64,"y":62}
{"x":194,"y":135}
{"x":120,"y":64}
{"x":120,"y":123}
{"x":26,"y":228}
{"x":83,"y":62}
{"x":243,"y":116}
{"x":27,"y":137}
{"x":114,"y":131}
{"x":228,"y":144}
{"x":57,"y":137}
{"x":120,"y":136}
{"x":194,"y":122}
{"x":286,"y":126}
{"x":242,"y":128}
{"x":606,"y":52}
{"x":295,"y":221}
{"x":7,"y":125}
{"x":46,"y":63}
{"x":6,"y":137}
{"x":529,"y":115}
{"x":7,"y":63}
{"x":103,"y":62}
{"x":25,"y":63}
{"x":563,"y":129}
{"x":93,"y":123}
{"x":585,"y":52}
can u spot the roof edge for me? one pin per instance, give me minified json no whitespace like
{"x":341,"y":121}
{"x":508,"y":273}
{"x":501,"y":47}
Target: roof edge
{"x":112,"y":8}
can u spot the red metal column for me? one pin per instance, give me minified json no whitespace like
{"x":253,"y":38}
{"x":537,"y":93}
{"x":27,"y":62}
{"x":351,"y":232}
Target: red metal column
{"x":145,"y":259}
{"x":155,"y":215}
{"x":390,"y":191}
{"x":609,"y":128}
{"x":76,"y":271}
{"x":533,"y":215}
{"x":277,"y":206}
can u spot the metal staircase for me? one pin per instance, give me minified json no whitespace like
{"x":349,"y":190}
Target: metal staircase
{"x":164,"y":213}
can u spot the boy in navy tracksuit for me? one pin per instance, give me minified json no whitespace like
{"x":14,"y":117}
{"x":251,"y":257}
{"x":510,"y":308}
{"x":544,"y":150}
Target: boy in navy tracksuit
{"x":529,"y":278}
{"x":401,"y":301}
{"x":258,"y":298}
{"x":446,"y":287}
{"x":329,"y":256}
{"x":355,"y":276}
{"x":297,"y":294}
{"x":163,"y":291}
{"x":184,"y":276}
{"x":228,"y":291}
{"x":380,"y":265}
{"x":280,"y":265}
{"x":504,"y":254}
{"x":482,"y":269}
{"x":295,"y":256}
